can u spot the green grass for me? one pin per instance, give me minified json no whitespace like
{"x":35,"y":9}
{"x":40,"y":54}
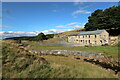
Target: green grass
{"x":20,"y":64}
{"x":16,"y":61}
{"x":106,"y":50}
{"x":75,"y":68}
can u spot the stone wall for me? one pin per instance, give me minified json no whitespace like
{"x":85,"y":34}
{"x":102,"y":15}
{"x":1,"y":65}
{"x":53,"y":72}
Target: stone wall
{"x":78,"y":53}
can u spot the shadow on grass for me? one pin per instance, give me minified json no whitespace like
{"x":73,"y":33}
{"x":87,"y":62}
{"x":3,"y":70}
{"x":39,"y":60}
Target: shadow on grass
{"x":116,"y":69}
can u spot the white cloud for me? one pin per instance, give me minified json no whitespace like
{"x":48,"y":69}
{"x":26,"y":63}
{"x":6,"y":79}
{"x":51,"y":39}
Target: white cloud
{"x":78,"y":26}
{"x":61,"y":26}
{"x":81,"y":11}
{"x":8,"y":34}
{"x":55,"y":31}
{"x":73,"y":23}
{"x":68,"y":25}
{"x":4,"y":26}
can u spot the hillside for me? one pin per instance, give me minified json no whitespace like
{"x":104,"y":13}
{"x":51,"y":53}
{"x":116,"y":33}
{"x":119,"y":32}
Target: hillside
{"x":64,"y":34}
{"x":19,"y":63}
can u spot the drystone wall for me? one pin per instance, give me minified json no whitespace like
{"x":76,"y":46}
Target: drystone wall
{"x":78,"y":53}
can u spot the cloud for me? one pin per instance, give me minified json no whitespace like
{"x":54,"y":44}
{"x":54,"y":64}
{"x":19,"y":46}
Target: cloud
{"x":72,"y":23}
{"x":4,"y":26}
{"x":8,"y":34}
{"x":77,"y":26}
{"x":61,"y":26}
{"x":69,"y":25}
{"x":55,"y":31}
{"x":81,"y":11}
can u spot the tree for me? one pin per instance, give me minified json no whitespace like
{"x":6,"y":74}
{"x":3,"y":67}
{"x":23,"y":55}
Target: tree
{"x":108,"y":19}
{"x":49,"y":36}
{"x":40,"y":37}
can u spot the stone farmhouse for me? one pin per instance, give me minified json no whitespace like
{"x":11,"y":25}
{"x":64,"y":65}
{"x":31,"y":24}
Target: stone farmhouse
{"x":93,"y":38}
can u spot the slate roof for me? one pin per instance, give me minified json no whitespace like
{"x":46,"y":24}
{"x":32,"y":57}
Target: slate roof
{"x":91,"y":32}
{"x":73,"y":34}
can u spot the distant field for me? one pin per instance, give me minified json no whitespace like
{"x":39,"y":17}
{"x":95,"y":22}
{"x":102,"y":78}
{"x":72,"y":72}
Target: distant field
{"x":106,"y":50}
{"x":20,"y":64}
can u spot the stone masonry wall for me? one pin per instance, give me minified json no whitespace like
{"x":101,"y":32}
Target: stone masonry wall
{"x":79,"y":53}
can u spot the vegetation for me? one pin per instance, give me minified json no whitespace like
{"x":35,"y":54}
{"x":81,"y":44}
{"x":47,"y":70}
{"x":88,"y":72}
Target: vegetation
{"x":20,"y":64}
{"x":108,"y":19}
{"x":48,"y":36}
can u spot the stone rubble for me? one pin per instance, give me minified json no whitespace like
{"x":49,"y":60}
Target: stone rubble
{"x":78,"y":53}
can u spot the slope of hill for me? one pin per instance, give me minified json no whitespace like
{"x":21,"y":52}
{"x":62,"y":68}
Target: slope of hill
{"x":18,"y":63}
{"x":64,"y":34}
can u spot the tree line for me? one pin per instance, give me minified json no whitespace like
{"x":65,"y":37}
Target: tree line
{"x":108,"y":19}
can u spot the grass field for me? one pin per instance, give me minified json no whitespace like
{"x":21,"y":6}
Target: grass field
{"x":106,"y":50}
{"x":76,"y":68}
{"x":20,"y":64}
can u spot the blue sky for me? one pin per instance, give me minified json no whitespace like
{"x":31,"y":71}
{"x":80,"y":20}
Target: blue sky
{"x":43,"y":16}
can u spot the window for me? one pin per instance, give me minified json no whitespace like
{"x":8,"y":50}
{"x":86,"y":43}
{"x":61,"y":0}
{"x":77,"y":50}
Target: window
{"x":104,"y":36}
{"x":81,"y":40}
{"x":89,"y":36}
{"x":95,"y":36}
{"x":86,"y":36}
{"x":83,"y":36}
{"x":95,"y":42}
{"x":89,"y":41}
{"x":101,"y":41}
{"x":105,"y":41}
{"x":100,"y":36}
{"x":86,"y":41}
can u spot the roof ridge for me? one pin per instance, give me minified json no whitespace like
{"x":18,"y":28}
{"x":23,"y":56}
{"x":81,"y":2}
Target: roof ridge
{"x":91,"y":32}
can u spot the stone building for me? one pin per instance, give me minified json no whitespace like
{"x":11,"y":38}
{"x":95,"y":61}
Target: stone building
{"x":95,"y":38}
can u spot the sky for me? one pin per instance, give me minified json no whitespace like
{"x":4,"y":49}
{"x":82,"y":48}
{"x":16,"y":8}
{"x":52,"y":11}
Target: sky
{"x":48,"y":16}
